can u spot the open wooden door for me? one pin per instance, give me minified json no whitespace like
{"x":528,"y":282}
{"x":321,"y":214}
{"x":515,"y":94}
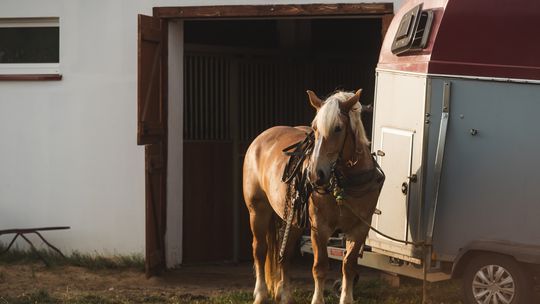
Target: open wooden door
{"x":152,"y":132}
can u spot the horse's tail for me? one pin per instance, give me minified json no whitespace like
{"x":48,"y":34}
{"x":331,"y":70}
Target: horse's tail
{"x":272,"y":269}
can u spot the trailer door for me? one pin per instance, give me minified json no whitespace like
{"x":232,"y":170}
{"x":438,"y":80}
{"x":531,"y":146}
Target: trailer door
{"x":396,"y":145}
{"x":398,"y":136}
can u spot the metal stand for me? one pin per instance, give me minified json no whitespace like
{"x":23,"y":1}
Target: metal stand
{"x":427,"y":259}
{"x":22,"y":232}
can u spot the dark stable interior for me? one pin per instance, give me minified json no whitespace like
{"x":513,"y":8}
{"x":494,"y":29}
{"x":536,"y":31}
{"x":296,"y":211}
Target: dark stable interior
{"x":242,"y":77}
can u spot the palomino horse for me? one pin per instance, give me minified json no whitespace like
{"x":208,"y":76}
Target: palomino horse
{"x":340,"y":144}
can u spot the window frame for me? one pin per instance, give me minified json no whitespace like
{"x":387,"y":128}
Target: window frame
{"x":30,"y":71}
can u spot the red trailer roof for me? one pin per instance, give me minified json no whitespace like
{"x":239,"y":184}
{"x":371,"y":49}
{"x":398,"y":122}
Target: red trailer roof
{"x":489,"y":38}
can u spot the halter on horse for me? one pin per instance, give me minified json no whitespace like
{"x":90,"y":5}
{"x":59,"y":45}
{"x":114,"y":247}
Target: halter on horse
{"x":334,"y":160}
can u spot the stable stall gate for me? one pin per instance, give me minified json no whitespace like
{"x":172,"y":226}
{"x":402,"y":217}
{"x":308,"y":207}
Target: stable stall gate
{"x":229,"y":100}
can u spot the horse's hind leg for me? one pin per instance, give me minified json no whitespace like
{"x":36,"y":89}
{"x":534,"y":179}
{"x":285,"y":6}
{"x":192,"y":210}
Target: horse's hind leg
{"x":259,"y":220}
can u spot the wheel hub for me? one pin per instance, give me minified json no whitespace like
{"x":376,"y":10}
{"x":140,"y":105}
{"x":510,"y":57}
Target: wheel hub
{"x":493,"y":284}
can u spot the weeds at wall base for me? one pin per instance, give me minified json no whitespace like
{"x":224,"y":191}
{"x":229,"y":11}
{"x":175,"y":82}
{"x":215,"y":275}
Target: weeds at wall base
{"x":90,"y":261}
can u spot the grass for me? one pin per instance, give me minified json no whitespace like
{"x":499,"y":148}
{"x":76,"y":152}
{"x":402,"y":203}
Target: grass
{"x":410,"y":292}
{"x":90,"y":261}
{"x":366,"y":292}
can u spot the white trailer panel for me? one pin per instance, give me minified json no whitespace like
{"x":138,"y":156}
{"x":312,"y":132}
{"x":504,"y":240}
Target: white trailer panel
{"x":398,"y":128}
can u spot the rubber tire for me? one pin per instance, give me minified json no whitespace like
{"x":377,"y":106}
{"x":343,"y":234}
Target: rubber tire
{"x":336,"y":287}
{"x":521,"y":279}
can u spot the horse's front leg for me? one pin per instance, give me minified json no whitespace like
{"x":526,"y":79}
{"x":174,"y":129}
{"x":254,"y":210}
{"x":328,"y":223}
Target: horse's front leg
{"x":319,"y":239}
{"x":350,"y":264}
{"x":355,"y":239}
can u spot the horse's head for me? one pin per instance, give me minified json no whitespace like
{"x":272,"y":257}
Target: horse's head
{"x":336,"y":124}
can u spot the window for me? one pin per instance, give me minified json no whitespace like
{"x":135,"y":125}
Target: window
{"x":413,"y":31}
{"x":29,"y":46}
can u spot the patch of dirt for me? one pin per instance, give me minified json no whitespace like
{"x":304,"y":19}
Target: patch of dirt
{"x":200,"y":280}
{"x":17,"y":280}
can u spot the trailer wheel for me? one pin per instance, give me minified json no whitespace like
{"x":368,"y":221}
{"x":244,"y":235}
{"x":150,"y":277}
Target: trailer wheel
{"x":336,"y":287}
{"x":338,"y":284}
{"x":495,"y":278}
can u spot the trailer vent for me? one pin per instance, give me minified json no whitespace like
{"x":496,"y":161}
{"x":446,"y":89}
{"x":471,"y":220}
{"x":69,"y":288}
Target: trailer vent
{"x":413,"y":31}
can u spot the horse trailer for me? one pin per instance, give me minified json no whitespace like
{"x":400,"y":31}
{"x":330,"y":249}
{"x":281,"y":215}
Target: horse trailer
{"x":455,"y":131}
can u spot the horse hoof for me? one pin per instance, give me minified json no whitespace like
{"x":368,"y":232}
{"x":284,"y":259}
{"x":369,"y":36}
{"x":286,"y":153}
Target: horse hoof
{"x":260,"y":299}
{"x":318,"y":300}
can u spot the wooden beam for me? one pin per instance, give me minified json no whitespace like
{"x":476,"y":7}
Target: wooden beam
{"x":293,"y":10}
{"x":386,"y":20}
{"x":30,"y":77}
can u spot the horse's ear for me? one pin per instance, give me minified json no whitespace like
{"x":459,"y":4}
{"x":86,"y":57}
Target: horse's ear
{"x":315,"y":101}
{"x":346,"y":106}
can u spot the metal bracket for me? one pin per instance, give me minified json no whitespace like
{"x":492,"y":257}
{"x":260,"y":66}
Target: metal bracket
{"x":446,"y":98}
{"x":439,"y":158}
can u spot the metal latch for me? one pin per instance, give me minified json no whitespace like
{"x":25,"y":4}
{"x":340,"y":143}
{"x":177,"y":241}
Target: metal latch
{"x":404,"y":188}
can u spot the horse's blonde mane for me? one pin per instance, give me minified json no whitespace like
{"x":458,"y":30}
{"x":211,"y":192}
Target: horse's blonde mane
{"x":328,"y":117}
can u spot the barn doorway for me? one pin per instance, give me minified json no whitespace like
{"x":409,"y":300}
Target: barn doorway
{"x":210,"y":78}
{"x":240,"y":78}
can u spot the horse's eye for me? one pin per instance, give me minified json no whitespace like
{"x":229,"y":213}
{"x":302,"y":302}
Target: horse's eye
{"x":337,"y":129}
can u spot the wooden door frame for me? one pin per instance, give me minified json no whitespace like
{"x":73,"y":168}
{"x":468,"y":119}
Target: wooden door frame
{"x":274,"y":11}
{"x":383,"y":10}
{"x":152,"y":132}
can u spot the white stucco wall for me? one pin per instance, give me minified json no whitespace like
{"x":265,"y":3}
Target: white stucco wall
{"x":68,"y":151}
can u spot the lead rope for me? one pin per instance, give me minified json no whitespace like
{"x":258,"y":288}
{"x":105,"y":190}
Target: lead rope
{"x":288,"y":224}
{"x":416,"y":244}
